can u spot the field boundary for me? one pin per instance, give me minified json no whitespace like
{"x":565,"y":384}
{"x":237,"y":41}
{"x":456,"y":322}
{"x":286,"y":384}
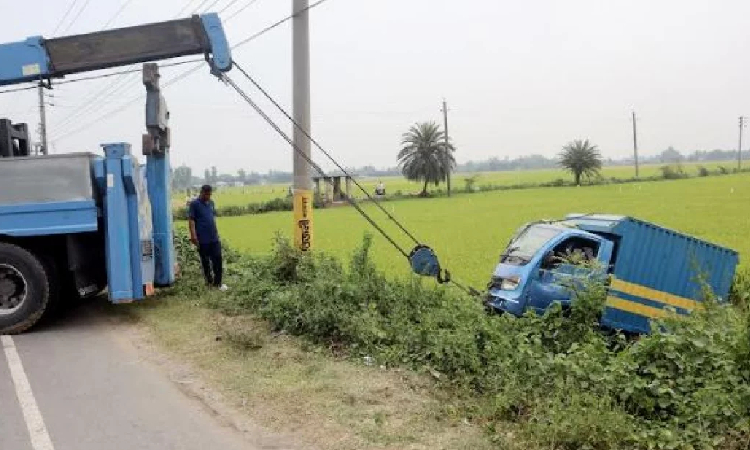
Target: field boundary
{"x":669,"y":173}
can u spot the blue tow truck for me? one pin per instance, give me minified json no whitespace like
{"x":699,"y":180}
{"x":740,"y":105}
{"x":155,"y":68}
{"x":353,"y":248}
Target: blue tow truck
{"x":650,"y":271}
{"x":83,"y":223}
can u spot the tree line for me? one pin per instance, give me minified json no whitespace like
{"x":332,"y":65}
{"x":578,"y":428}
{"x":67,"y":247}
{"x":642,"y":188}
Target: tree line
{"x":424,"y":157}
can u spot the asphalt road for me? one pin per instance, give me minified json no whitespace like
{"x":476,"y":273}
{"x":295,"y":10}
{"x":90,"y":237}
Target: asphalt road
{"x":89,"y":389}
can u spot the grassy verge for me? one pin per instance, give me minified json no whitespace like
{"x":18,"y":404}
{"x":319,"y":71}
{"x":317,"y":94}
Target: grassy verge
{"x":287,"y":385}
{"x":289,"y":342}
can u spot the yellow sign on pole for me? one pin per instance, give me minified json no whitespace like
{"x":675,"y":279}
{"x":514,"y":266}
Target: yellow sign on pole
{"x":303,"y":215}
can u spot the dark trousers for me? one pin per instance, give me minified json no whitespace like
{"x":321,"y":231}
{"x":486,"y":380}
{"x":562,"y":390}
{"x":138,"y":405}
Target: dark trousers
{"x":211,"y":259}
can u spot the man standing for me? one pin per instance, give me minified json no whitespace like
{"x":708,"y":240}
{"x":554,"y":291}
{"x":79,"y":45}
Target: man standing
{"x":203,"y":233}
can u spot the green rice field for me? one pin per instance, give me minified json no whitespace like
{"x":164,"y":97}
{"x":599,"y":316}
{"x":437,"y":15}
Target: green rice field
{"x":239,"y":196}
{"x":468,"y":231}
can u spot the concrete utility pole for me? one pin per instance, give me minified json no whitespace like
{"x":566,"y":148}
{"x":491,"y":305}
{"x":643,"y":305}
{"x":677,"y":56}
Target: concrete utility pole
{"x":635,"y":145}
{"x":447,"y":140}
{"x":303,"y":224}
{"x":743,"y":124}
{"x":42,"y":119}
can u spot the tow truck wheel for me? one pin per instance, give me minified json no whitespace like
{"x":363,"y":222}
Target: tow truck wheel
{"x":24,"y":289}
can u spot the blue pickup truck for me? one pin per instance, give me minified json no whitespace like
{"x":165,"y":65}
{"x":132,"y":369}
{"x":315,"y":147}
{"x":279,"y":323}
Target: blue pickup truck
{"x":651,"y":271}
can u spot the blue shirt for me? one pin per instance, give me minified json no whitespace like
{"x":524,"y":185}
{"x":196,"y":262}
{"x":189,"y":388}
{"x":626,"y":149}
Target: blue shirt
{"x":204,"y":215}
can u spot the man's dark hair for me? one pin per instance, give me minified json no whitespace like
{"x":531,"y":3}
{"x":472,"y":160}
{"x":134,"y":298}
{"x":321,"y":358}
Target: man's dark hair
{"x":206,"y":189}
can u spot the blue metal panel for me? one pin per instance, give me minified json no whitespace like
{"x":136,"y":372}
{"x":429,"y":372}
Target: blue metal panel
{"x":618,"y":319}
{"x":672,"y":262}
{"x":43,"y":219}
{"x":157,"y":176}
{"x":134,"y":239}
{"x":116,"y":228}
{"x":23,"y":61}
{"x":221,"y":52}
{"x":145,"y":228}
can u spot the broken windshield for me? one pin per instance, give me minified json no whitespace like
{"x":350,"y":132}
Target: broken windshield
{"x":522,"y":249}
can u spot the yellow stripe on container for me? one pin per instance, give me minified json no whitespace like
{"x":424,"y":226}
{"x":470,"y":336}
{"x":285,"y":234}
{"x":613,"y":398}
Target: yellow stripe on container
{"x":655,"y":295}
{"x":638,"y":308}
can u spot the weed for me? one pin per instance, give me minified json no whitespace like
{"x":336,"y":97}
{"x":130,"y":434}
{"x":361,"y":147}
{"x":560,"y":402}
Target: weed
{"x":558,"y":378}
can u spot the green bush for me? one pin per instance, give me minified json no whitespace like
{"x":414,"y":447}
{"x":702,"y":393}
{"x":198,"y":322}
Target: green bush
{"x":563,"y":381}
{"x":673,"y":172}
{"x":277,"y":204}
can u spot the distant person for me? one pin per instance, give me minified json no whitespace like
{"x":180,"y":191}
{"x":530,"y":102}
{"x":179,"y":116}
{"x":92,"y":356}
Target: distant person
{"x":205,"y":235}
{"x":380,"y":189}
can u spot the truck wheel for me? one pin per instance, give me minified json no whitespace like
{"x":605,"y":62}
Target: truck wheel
{"x":24,"y":289}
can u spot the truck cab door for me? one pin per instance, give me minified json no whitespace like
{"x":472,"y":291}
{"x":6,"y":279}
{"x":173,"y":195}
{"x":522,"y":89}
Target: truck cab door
{"x":548,"y":285}
{"x":556,"y":276}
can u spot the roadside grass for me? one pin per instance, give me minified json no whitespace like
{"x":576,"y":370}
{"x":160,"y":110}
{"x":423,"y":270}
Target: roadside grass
{"x":453,"y":377}
{"x":290,"y":386}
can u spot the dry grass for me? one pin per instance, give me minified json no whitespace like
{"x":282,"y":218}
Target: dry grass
{"x":286,"y":386}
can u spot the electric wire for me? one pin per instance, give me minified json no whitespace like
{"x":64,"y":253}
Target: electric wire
{"x":117,"y":13}
{"x":322,"y":150}
{"x":200,"y":6}
{"x":277,"y":24}
{"x":184,"y":74}
{"x":227,"y":6}
{"x":115,"y":86}
{"x":184,"y":8}
{"x":65,"y":16}
{"x":208,"y":8}
{"x":309,"y":160}
{"x":448,"y":279}
{"x":236,"y":13}
{"x":75,"y":19}
{"x":9,"y":91}
{"x":106,"y":92}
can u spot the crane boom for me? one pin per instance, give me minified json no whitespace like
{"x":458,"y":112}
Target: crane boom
{"x":37,"y":58}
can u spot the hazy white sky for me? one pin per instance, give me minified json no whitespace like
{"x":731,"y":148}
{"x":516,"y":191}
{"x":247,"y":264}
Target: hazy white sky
{"x":520,"y":77}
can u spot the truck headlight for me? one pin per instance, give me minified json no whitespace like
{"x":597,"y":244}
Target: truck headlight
{"x":510,"y":284}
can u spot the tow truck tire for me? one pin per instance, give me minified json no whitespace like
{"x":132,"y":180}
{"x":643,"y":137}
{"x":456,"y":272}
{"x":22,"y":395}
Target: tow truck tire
{"x":24,"y":289}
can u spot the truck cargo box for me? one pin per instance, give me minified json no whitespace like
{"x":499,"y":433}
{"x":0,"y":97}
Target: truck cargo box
{"x":656,"y":269}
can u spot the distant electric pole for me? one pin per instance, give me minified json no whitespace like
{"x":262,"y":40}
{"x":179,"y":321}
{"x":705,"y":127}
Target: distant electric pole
{"x":635,"y":145}
{"x":447,"y":140}
{"x":303,"y":224}
{"x":743,"y":124}
{"x":42,"y":119}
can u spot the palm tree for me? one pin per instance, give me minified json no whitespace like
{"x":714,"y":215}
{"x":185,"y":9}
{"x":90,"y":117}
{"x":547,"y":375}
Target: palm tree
{"x":581,"y":158}
{"x":425,"y":155}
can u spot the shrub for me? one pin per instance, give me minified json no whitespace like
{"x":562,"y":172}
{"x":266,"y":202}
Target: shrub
{"x":673,"y":172}
{"x":470,"y":183}
{"x":703,"y":172}
{"x":563,"y":381}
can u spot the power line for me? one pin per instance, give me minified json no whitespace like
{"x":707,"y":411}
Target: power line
{"x":112,"y":87}
{"x":9,"y":91}
{"x":277,"y":24}
{"x":88,"y":107}
{"x":442,"y":275}
{"x":117,"y":13}
{"x":229,"y":5}
{"x":208,"y":8}
{"x":200,"y":6}
{"x":187,"y":72}
{"x":184,"y":8}
{"x":80,"y":11}
{"x":236,"y":13}
{"x":65,"y":16}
